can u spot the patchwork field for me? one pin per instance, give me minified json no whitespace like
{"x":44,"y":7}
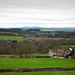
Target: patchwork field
{"x":35,"y":63}
{"x":18,"y":38}
{"x":53,"y":33}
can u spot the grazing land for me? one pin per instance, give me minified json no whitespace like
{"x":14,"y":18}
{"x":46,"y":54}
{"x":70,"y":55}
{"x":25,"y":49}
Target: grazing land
{"x":42,"y":42}
{"x":72,"y":45}
{"x":18,"y":38}
{"x":42,"y":73}
{"x":69,"y":46}
{"x":35,"y":63}
{"x":53,"y":33}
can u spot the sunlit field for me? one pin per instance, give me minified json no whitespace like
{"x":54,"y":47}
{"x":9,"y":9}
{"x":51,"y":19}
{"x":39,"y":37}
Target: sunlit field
{"x":18,"y":38}
{"x":35,"y":63}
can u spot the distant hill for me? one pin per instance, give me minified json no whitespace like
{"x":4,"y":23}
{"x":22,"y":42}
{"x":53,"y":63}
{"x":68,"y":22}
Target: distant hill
{"x":69,"y":29}
{"x":64,"y":29}
{"x":31,"y":27}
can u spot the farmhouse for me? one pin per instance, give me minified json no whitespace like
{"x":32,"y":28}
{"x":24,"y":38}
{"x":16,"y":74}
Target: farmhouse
{"x":59,"y":52}
{"x":52,"y":52}
{"x":67,"y":52}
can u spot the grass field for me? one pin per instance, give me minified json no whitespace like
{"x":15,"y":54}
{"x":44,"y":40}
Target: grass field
{"x":69,"y":46}
{"x":35,"y":62}
{"x":18,"y":38}
{"x":72,"y":45}
{"x":47,"y":30}
{"x":42,"y":73}
{"x":53,"y":33}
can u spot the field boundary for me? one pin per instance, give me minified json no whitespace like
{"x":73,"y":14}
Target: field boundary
{"x":37,"y":69}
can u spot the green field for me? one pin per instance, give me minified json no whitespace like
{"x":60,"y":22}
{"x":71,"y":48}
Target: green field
{"x":69,"y":46}
{"x":47,"y":29}
{"x":72,"y":45}
{"x":53,"y":33}
{"x":18,"y":38}
{"x":35,"y":62}
{"x":42,"y":73}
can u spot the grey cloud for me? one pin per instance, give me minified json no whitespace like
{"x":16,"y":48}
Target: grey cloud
{"x":68,"y":19}
{"x":4,"y":16}
{"x":50,"y":4}
{"x":59,"y":8}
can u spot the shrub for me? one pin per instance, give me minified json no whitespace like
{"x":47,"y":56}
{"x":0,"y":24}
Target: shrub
{"x":66,"y":56}
{"x":25,"y":49}
{"x":72,"y":53}
{"x":42,"y":56}
{"x":7,"y":70}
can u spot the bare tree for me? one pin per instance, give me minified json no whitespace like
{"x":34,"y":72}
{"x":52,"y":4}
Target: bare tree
{"x":25,"y":49}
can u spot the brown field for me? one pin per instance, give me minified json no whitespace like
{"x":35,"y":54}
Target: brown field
{"x":9,"y":56}
{"x":18,"y":56}
{"x":38,"y":39}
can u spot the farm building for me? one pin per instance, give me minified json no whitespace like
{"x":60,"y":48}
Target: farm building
{"x":52,"y":52}
{"x":67,"y":52}
{"x":59,"y":52}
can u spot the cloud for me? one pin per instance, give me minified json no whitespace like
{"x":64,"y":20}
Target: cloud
{"x":37,"y":11}
{"x":53,"y":4}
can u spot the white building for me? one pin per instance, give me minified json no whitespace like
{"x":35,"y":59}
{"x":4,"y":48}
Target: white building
{"x":52,"y":52}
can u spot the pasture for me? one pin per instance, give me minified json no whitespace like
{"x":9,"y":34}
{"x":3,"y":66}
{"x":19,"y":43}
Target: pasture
{"x":18,"y":38}
{"x":53,"y":33}
{"x":69,"y":46}
{"x":72,"y":45}
{"x":42,"y":73}
{"x":35,"y":63}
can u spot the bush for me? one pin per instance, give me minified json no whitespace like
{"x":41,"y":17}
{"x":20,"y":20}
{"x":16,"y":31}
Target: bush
{"x":72,"y":53}
{"x":25,"y":49}
{"x":25,"y":69}
{"x":42,"y":56}
{"x":66,"y":56}
{"x":7,"y":70}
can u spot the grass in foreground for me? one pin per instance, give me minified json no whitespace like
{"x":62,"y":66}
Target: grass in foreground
{"x":42,"y":73}
{"x":18,"y":38}
{"x":35,"y":62}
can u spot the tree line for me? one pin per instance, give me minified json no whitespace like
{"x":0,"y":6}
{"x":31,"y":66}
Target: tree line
{"x":35,"y":32}
{"x":27,"y":48}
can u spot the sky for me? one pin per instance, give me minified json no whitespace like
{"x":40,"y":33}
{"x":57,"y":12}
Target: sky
{"x":41,"y":13}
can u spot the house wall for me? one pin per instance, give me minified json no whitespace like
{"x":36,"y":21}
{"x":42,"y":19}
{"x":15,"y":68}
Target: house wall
{"x":52,"y":52}
{"x":67,"y":52}
{"x":60,"y":52}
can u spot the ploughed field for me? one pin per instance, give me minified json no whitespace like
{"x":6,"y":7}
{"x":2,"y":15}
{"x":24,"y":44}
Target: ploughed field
{"x":35,"y":63}
{"x":41,"y":38}
{"x":42,"y":73}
